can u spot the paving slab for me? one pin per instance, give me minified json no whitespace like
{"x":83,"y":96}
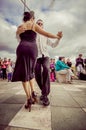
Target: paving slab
{"x":39,"y":118}
{"x":64,"y":118}
{"x":7,"y":112}
{"x":77,"y":93}
{"x":81,"y":101}
{"x":16,"y":99}
{"x":13,"y":128}
{"x":5,"y":96}
{"x":62,"y":98}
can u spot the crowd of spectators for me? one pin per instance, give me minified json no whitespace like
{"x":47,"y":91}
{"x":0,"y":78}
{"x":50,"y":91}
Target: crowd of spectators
{"x":61,"y":65}
{"x":6,"y":69}
{"x":64,"y":65}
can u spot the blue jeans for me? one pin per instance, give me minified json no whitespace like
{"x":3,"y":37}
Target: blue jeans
{"x":9,"y":76}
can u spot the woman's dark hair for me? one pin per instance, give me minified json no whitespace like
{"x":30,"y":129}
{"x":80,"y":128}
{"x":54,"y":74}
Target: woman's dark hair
{"x":60,"y":58}
{"x":28,"y":15}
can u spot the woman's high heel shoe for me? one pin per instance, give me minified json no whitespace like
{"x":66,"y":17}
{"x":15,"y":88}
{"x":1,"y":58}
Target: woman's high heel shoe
{"x":28,"y":105}
{"x":34,"y":97}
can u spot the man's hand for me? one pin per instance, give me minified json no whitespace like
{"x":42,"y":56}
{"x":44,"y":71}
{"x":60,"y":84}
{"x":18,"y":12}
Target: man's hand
{"x":20,"y":29}
{"x":60,"y":35}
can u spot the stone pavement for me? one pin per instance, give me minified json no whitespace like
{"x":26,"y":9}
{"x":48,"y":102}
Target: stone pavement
{"x":67,"y":110}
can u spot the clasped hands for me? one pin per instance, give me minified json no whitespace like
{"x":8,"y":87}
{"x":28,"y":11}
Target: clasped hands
{"x":60,"y":35}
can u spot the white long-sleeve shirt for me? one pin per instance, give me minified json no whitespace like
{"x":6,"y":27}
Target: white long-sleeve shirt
{"x":42,"y":43}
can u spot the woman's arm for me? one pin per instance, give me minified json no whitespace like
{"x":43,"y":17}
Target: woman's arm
{"x":56,"y":42}
{"x":38,"y":29}
{"x":47,"y":34}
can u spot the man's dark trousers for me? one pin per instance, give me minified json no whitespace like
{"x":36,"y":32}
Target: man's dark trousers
{"x":42,"y":75}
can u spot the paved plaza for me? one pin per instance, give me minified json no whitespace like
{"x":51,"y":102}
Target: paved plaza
{"x":67,"y":110}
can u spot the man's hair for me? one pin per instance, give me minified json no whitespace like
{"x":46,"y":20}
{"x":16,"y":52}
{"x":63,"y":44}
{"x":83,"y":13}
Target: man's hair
{"x":39,"y":20}
{"x":32,"y":14}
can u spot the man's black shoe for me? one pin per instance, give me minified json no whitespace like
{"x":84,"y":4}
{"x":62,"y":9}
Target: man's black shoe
{"x":46,"y":101}
{"x":42,"y":97}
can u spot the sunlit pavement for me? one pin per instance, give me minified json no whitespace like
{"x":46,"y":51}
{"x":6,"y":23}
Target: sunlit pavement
{"x":67,"y":110}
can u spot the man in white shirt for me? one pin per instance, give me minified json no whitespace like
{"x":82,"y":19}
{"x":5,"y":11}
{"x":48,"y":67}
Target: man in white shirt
{"x":42,"y":66}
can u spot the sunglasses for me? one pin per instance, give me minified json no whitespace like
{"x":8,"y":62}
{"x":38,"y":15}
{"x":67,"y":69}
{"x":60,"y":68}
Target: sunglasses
{"x":40,"y":24}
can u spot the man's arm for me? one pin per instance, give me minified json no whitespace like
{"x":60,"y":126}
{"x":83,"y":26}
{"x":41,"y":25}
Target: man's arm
{"x":53,"y":44}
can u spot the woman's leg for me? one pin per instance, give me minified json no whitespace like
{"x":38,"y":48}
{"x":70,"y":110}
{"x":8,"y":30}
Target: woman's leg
{"x":27,"y":89}
{"x":34,"y":96}
{"x":32,"y":82}
{"x":28,"y":94}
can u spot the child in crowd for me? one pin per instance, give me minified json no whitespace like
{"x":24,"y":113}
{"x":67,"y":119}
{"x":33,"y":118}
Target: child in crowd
{"x":52,"y":70}
{"x":9,"y":72}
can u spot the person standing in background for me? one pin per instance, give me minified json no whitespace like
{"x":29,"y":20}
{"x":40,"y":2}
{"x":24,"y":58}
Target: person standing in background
{"x":79,"y":64}
{"x":9,"y":71}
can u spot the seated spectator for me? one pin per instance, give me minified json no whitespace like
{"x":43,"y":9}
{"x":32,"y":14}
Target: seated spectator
{"x":69,"y":63}
{"x":62,"y":68}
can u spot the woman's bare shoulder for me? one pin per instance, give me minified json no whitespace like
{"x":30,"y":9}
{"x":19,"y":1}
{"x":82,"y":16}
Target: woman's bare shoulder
{"x":20,"y":25}
{"x":30,"y":25}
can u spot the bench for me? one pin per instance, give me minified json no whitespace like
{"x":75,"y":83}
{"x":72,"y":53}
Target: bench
{"x":61,"y":78}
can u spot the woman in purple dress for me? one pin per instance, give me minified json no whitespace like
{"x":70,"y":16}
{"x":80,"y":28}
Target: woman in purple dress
{"x":27,"y":54}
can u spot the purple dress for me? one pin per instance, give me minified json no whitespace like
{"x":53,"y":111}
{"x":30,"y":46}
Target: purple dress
{"x":26,"y":57}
